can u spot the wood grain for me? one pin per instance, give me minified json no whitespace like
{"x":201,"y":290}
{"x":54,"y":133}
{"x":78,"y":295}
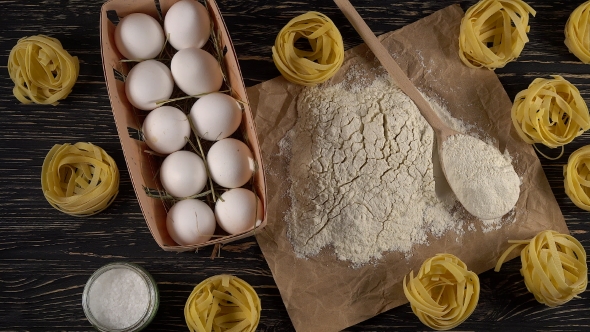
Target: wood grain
{"x":47,"y":256}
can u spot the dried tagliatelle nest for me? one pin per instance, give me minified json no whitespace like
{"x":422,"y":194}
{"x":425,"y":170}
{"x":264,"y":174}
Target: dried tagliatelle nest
{"x":551,"y":112}
{"x":309,"y":67}
{"x":42,"y":71}
{"x":222,"y":303}
{"x":577,"y":177}
{"x":80,"y":179}
{"x":494,"y":32}
{"x":444,"y":293}
{"x":576,"y":32}
{"x":553,"y":266}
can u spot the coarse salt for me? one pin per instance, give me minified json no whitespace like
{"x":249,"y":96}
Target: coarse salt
{"x":118,"y":298}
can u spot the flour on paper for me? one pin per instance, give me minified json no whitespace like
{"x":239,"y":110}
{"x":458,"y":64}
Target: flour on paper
{"x":362,"y":177}
{"x":362,"y":174}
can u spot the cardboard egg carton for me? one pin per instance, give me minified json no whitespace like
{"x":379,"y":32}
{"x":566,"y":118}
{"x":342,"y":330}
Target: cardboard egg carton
{"x":143,"y":166}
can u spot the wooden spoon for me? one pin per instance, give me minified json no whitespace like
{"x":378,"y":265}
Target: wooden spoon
{"x":441,"y":130}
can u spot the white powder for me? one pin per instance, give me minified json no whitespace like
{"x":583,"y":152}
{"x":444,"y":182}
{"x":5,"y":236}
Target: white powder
{"x":361,"y":173}
{"x":497,"y":223}
{"x":448,"y":119}
{"x":482,"y":178}
{"x":118,"y":298}
{"x":443,"y":190}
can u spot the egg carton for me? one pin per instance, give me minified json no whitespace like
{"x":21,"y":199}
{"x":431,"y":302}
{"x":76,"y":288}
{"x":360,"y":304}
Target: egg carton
{"x":142,"y":165}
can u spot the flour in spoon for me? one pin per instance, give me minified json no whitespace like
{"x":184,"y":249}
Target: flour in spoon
{"x":361,"y":174}
{"x":481,"y":177}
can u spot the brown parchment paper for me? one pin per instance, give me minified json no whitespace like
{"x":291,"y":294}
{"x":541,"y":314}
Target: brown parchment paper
{"x":322,"y":293}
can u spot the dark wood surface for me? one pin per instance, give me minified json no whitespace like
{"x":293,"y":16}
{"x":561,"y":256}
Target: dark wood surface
{"x":47,"y":256}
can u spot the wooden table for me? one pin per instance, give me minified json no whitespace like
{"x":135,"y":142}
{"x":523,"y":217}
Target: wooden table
{"x":47,"y":256}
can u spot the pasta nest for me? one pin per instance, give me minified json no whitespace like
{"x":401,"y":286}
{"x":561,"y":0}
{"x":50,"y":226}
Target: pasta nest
{"x":551,"y":112}
{"x":222,"y":303}
{"x":494,"y":32}
{"x":444,"y":293}
{"x":576,"y":32}
{"x":309,"y":67}
{"x":42,"y":71}
{"x":577,"y":177}
{"x":80,"y":179}
{"x":553,"y":266}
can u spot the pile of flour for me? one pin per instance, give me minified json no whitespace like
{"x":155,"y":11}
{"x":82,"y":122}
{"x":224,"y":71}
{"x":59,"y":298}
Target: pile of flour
{"x":362,"y":174}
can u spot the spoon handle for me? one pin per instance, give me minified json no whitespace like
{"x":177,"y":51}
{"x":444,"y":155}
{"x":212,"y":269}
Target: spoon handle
{"x":391,"y":66}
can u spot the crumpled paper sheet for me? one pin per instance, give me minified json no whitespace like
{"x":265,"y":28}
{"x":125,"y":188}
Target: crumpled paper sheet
{"x":322,"y":293}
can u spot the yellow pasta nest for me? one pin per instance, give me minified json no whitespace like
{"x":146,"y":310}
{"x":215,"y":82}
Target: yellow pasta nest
{"x":577,"y":177}
{"x":551,"y":112}
{"x":553,"y":266}
{"x":42,"y":71}
{"x":444,"y":293}
{"x":309,"y":67}
{"x":577,"y":31}
{"x":493,"y":32}
{"x":222,"y":303}
{"x":80,"y":179}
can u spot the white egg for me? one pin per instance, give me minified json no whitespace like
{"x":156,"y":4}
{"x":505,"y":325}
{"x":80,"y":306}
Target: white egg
{"x":238,"y":211}
{"x":187,"y":24}
{"x":231,"y":163}
{"x":148,"y":82}
{"x":183,"y":174}
{"x":196,"y":72}
{"x":165,"y":128}
{"x":216,"y":116}
{"x":139,"y":36}
{"x":190,"y":221}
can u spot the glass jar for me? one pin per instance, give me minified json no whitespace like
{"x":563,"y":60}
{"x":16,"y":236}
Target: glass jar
{"x":116,"y":288}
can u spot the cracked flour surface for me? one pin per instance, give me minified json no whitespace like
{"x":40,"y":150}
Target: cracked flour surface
{"x":362,"y":173}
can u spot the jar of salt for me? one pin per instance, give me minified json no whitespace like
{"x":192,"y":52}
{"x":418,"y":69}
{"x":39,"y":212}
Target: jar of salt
{"x":120,"y":297}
